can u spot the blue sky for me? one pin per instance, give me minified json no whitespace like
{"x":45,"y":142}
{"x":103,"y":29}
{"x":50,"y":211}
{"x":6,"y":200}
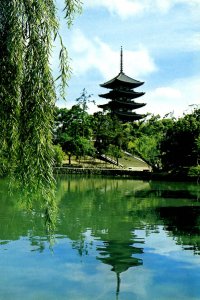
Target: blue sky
{"x":161,"y":45}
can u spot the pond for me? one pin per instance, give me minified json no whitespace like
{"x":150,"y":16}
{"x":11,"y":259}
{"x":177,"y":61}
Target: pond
{"x":114,"y":239}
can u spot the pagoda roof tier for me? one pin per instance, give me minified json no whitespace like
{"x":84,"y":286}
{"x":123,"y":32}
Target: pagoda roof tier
{"x":122,"y":79}
{"x":128,"y":116}
{"x":119,"y":104}
{"x":114,"y":94}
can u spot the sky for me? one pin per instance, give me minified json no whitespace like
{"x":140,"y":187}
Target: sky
{"x":161,"y":47}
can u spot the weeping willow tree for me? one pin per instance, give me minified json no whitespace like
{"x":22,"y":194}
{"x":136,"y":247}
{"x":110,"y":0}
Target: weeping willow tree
{"x":28,"y":29}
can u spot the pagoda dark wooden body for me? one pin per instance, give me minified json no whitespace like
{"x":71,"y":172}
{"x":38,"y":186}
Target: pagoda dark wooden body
{"x":121,"y":96}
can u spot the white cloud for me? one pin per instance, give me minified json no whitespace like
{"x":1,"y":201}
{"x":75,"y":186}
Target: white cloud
{"x":181,"y":42}
{"x":127,"y":8}
{"x":163,"y":244}
{"x":193,"y":42}
{"x":167,"y":92}
{"x":95,"y":54}
{"x":181,"y":97}
{"x":124,"y":8}
{"x":176,"y":98}
{"x":163,"y":5}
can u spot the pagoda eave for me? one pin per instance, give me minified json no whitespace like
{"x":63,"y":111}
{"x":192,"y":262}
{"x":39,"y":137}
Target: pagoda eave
{"x":129,"y":116}
{"x":122,"y":79}
{"x":118,"y":104}
{"x":123,"y":94}
{"x":104,"y":106}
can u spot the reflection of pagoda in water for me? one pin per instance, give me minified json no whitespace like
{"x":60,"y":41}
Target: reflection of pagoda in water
{"x":121,"y":95}
{"x":120,"y":256}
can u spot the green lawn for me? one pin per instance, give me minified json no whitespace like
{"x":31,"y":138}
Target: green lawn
{"x":128,"y":162}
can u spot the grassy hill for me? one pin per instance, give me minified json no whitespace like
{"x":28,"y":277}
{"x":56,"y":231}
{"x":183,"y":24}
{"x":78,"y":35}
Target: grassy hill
{"x":128,"y":162}
{"x":133,"y":162}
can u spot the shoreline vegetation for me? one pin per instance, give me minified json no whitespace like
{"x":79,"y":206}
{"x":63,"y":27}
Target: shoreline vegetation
{"x":132,"y":174}
{"x":162,"y":148}
{"x":139,"y":170}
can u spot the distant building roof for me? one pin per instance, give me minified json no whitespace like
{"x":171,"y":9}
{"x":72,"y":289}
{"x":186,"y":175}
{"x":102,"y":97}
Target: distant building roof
{"x":122,"y":79}
{"x":118,"y":104}
{"x":122,"y":91}
{"x":116,"y":94}
{"x":129,"y":116}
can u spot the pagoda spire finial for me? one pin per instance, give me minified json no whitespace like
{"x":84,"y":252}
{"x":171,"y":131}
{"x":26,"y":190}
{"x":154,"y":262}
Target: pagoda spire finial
{"x":121,"y":60}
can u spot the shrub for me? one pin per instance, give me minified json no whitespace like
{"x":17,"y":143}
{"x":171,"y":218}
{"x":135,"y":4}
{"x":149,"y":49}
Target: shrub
{"x":58,"y":155}
{"x":194,"y":171}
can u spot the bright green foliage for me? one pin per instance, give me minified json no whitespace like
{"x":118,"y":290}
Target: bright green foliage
{"x":27,"y":91}
{"x":147,"y":136}
{"x":73,"y":122}
{"x":84,"y":100}
{"x":164,"y":143}
{"x":180,"y":147}
{"x":103,"y":135}
{"x":72,"y":7}
{"x":194,"y":171}
{"x":115,"y":151}
{"x":27,"y":94}
{"x":59,"y":155}
{"x":83,"y":147}
{"x":168,"y":143}
{"x":147,"y":147}
{"x":76,"y":146}
{"x":73,"y":129}
{"x":108,"y":133}
{"x":80,"y":134}
{"x":11,"y":47}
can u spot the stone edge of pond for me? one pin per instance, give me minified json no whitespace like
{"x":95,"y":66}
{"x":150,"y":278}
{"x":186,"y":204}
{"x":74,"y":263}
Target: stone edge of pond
{"x":142,"y":174}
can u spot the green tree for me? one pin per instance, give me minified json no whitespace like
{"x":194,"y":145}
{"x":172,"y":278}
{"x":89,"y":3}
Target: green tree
{"x":147,"y":136}
{"x":73,"y":129}
{"x":68,"y":144}
{"x":73,"y":122}
{"x":115,"y":152}
{"x":180,"y":147}
{"x":58,"y":155}
{"x":101,"y":125}
{"x":84,"y":100}
{"x":108,"y":130}
{"x":27,"y":88}
{"x":147,"y":147}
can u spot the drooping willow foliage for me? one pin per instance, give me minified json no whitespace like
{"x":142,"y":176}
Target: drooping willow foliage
{"x":27,"y":90}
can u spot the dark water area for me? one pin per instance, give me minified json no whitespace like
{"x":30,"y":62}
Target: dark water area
{"x":114,"y":239}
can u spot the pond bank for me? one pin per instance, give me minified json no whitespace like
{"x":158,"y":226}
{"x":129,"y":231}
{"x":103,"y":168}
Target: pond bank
{"x":135,"y":174}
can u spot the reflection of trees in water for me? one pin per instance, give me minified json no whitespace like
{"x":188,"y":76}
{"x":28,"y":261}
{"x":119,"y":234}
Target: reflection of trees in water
{"x":179,"y":211}
{"x":101,"y":206}
{"x":177,"y":207}
{"x":112,"y":209}
{"x":142,"y":205}
{"x":18,"y":219}
{"x":104,"y":209}
{"x":170,"y":190}
{"x":184,"y":224}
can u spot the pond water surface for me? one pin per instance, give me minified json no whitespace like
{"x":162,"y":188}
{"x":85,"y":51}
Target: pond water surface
{"x":114,"y":239}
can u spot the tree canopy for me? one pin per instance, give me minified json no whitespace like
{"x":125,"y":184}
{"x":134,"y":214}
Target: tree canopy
{"x":28,"y":29}
{"x":27,"y":87}
{"x":167,"y":143}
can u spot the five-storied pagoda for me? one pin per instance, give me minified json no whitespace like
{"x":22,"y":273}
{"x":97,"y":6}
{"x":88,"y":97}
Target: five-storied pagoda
{"x":121,"y":96}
